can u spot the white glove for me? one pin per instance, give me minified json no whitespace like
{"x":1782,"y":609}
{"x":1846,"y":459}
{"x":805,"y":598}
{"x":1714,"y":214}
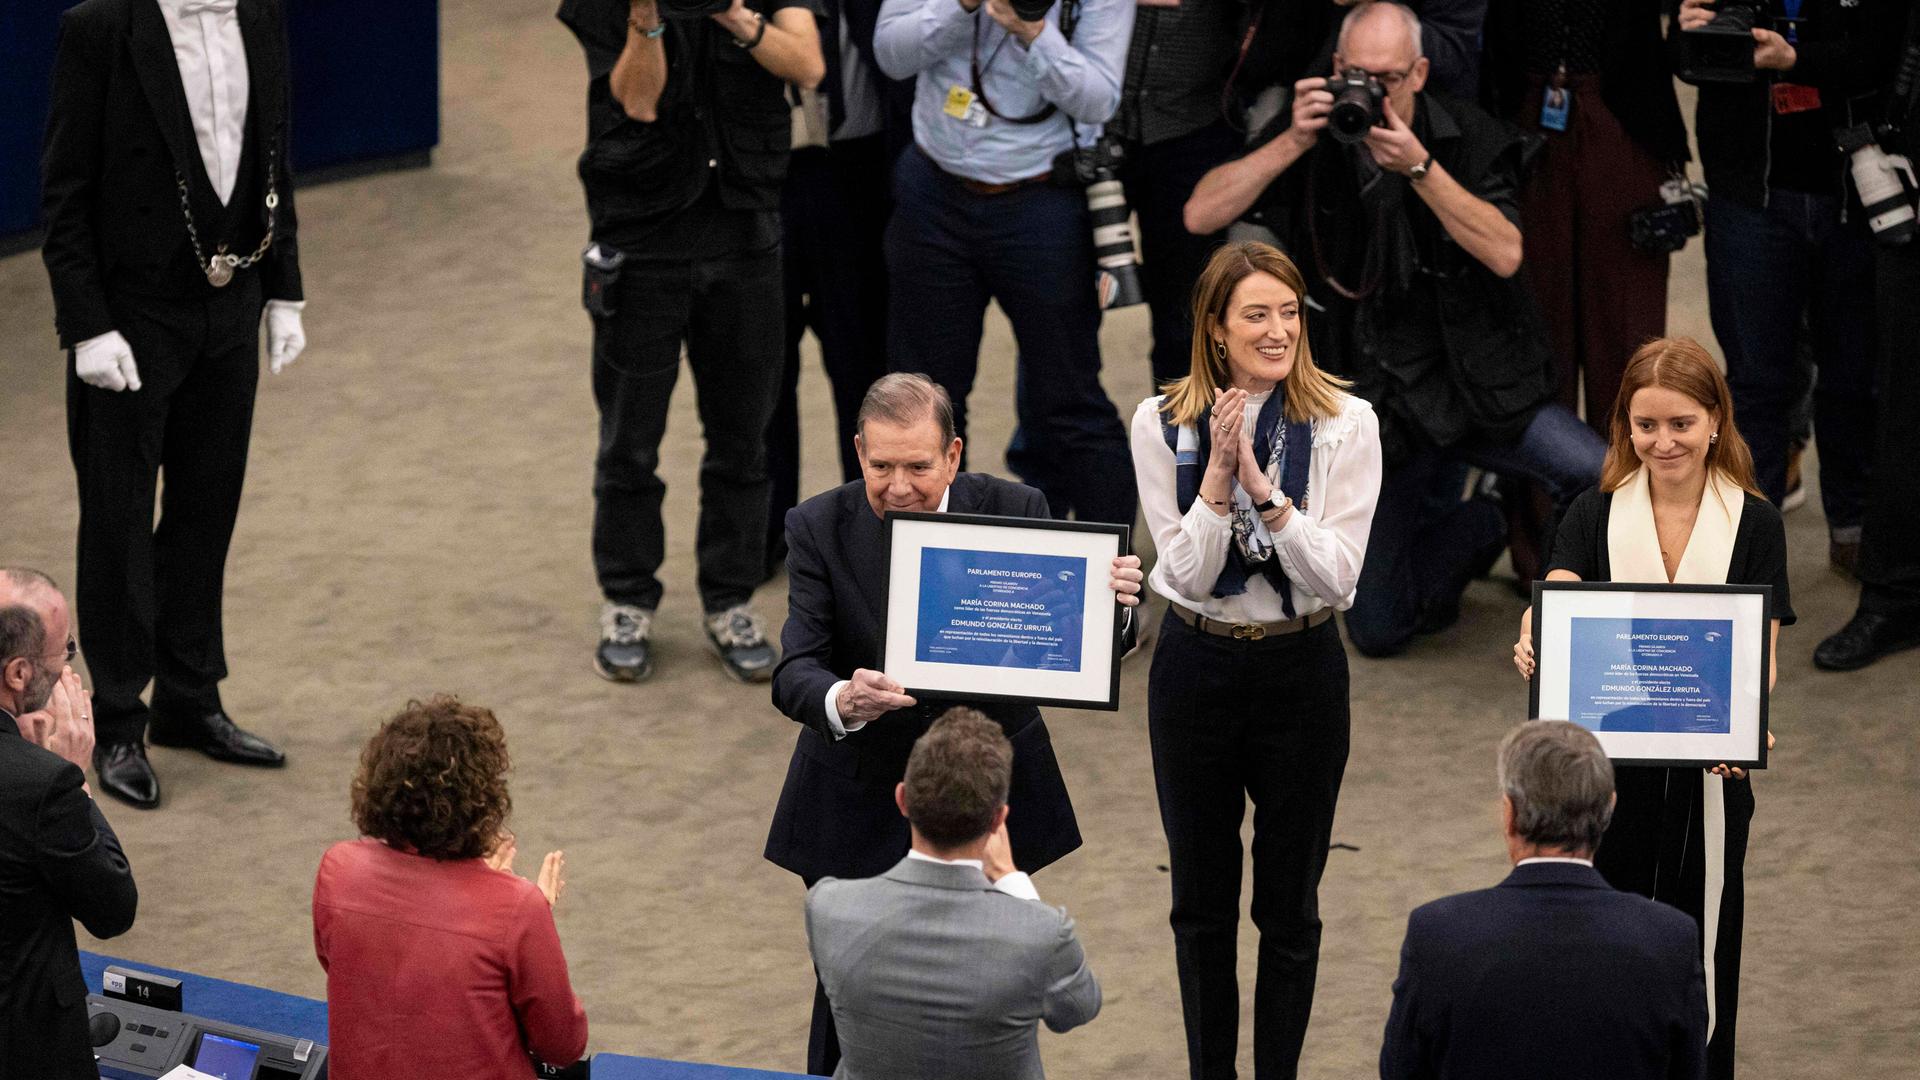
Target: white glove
{"x":285,"y":336}
{"x":106,"y":362}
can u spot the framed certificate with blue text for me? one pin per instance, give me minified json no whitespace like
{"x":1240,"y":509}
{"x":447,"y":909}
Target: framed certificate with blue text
{"x":1003,"y":609}
{"x":1661,"y":674}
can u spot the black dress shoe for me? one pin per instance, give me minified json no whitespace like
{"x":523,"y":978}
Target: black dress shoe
{"x":1867,"y":637}
{"x":218,"y":737}
{"x":126,"y":774}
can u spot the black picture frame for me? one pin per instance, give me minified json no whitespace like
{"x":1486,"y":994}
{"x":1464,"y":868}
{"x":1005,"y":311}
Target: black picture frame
{"x":1757,"y":757}
{"x":1121,"y":538}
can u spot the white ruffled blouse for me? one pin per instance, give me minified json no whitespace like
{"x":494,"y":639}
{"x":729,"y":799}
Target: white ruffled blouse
{"x":1320,"y":548}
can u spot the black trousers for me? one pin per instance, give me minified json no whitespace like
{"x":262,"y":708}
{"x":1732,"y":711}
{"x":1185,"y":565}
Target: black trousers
{"x":724,"y":309}
{"x":148,"y":598}
{"x":1655,"y":846}
{"x":1231,"y":719}
{"x":1890,"y":536}
{"x":833,"y":216}
{"x":949,"y":251}
{"x":1159,"y":177}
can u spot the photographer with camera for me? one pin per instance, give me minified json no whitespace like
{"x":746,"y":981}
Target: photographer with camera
{"x":1402,"y":207}
{"x":1886,"y":148}
{"x":688,"y":129}
{"x":986,"y":210}
{"x":1783,"y":234}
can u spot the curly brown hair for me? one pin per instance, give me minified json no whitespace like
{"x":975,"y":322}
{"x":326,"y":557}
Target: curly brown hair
{"x":433,"y":780}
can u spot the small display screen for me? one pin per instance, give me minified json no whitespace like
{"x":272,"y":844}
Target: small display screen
{"x":229,"y":1059}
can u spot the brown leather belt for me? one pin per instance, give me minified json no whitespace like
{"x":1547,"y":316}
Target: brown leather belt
{"x":1253,"y":631}
{"x":981,"y":187}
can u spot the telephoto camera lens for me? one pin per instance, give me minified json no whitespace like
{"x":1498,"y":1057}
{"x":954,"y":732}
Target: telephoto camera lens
{"x":1031,"y":10}
{"x":1887,"y":191}
{"x":1357,"y":98}
{"x":1118,"y":279}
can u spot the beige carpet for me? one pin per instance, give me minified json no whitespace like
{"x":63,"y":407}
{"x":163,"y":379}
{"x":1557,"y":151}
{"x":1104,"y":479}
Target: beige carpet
{"x":417,"y":519}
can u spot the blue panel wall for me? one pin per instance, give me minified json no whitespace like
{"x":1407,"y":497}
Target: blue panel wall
{"x":366,"y":86}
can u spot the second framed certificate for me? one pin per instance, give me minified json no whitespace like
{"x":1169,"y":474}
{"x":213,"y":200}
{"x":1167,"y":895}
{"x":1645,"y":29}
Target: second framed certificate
{"x":1662,"y":674}
{"x":1003,"y":609}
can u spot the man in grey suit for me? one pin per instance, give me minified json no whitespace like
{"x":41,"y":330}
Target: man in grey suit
{"x":941,"y":968}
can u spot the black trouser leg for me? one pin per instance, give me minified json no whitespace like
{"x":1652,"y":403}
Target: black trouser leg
{"x":1159,"y":178}
{"x":203,"y":467}
{"x":937,"y":292}
{"x":1294,"y":763}
{"x":1196,"y":771}
{"x":783,"y":423}
{"x":735,"y":357}
{"x":823,"y":1040}
{"x":1890,"y":535}
{"x":197,"y":359}
{"x":1214,"y":744}
{"x":636,"y":359}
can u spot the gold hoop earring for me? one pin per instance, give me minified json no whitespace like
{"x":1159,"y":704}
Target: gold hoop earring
{"x":1220,"y":348}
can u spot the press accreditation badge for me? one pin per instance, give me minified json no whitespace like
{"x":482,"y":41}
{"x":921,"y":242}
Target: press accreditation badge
{"x":1790,"y":98}
{"x":964,"y":105}
{"x":1554,"y":107}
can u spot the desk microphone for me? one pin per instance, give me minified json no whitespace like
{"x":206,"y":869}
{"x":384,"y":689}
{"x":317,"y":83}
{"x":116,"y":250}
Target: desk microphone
{"x":102,"y":1027}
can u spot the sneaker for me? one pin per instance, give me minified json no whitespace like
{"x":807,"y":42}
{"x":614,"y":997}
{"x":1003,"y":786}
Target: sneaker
{"x":624,"y":655}
{"x":742,"y":646}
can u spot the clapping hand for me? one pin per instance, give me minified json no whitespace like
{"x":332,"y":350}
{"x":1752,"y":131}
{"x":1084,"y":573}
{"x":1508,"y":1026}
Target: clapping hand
{"x":548,"y":881}
{"x":998,"y":860}
{"x":1229,"y":409}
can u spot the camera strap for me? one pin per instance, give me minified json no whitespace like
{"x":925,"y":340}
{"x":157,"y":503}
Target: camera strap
{"x":1227,"y":111}
{"x":1069,"y":19}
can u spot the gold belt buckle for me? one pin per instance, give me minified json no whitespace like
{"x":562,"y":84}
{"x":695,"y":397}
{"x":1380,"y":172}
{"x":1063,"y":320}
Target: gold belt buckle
{"x":1249,"y":631}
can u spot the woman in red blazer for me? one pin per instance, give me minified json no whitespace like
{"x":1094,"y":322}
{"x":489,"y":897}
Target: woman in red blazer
{"x":440,"y":960}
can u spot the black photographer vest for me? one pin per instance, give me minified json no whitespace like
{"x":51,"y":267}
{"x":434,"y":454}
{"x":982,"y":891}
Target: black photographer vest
{"x":723,"y":123}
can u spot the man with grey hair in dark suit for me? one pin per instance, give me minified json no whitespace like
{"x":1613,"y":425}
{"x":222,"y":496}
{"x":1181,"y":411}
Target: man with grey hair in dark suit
{"x":943,"y":967}
{"x":1552,"y":972}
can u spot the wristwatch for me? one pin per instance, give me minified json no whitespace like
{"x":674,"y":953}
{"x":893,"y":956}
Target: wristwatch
{"x":1263,"y":505}
{"x":1419,"y":172}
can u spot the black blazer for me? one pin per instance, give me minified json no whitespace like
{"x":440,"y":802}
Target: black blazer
{"x":59,"y":861}
{"x":836,"y":816}
{"x":1551,"y":973}
{"x":118,"y":130}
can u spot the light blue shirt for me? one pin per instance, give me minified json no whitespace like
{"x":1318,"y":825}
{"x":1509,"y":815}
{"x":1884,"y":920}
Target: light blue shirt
{"x":931,"y":41}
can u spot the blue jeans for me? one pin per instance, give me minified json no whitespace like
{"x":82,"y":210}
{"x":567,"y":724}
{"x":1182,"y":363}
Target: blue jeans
{"x":949,"y":251}
{"x":1427,"y":543}
{"x":1765,"y":267}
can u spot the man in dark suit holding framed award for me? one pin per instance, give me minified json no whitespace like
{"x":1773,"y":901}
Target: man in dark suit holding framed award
{"x":1552,"y":972}
{"x":836,"y":816}
{"x":170,"y":239}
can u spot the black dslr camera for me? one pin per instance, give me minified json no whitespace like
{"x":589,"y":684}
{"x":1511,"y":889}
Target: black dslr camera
{"x":1031,"y":10}
{"x":1357,"y":105}
{"x":1722,"y":50}
{"x":1097,"y":169}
